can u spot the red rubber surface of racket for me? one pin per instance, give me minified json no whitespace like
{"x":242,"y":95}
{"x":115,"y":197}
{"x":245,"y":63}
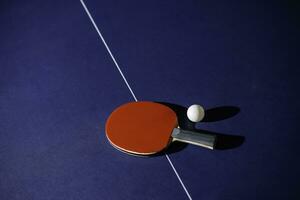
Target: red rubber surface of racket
{"x":141,"y":127}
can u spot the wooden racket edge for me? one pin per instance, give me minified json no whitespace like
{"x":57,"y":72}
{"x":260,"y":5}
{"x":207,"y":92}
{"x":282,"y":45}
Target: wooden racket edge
{"x":128,"y":151}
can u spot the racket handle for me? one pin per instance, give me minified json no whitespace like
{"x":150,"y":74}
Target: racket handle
{"x":199,"y":139}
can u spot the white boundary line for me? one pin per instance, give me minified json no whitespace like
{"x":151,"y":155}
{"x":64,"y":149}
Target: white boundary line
{"x":107,"y":48}
{"x":181,"y":182}
{"x":131,"y":91}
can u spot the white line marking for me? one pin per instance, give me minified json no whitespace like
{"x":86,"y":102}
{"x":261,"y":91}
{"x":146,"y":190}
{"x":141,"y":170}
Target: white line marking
{"x":132,"y":93}
{"x":175,"y":171}
{"x":107,"y":48}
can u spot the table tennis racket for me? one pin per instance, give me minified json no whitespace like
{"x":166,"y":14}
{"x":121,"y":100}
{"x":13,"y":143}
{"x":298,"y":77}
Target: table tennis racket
{"x":146,"y":128}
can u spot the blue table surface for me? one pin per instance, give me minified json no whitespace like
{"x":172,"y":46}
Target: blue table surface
{"x":58,"y":85}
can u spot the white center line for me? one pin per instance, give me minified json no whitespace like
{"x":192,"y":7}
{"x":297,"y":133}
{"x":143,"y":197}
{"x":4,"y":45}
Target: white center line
{"x":131,"y":91}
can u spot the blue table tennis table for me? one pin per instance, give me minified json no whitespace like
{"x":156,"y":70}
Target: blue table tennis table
{"x":66,"y":65}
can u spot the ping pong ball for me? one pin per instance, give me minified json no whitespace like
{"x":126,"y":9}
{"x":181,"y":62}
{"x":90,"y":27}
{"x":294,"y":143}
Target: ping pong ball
{"x":195,"y":113}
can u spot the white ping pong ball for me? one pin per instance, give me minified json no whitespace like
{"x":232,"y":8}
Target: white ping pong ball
{"x":195,"y":113}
